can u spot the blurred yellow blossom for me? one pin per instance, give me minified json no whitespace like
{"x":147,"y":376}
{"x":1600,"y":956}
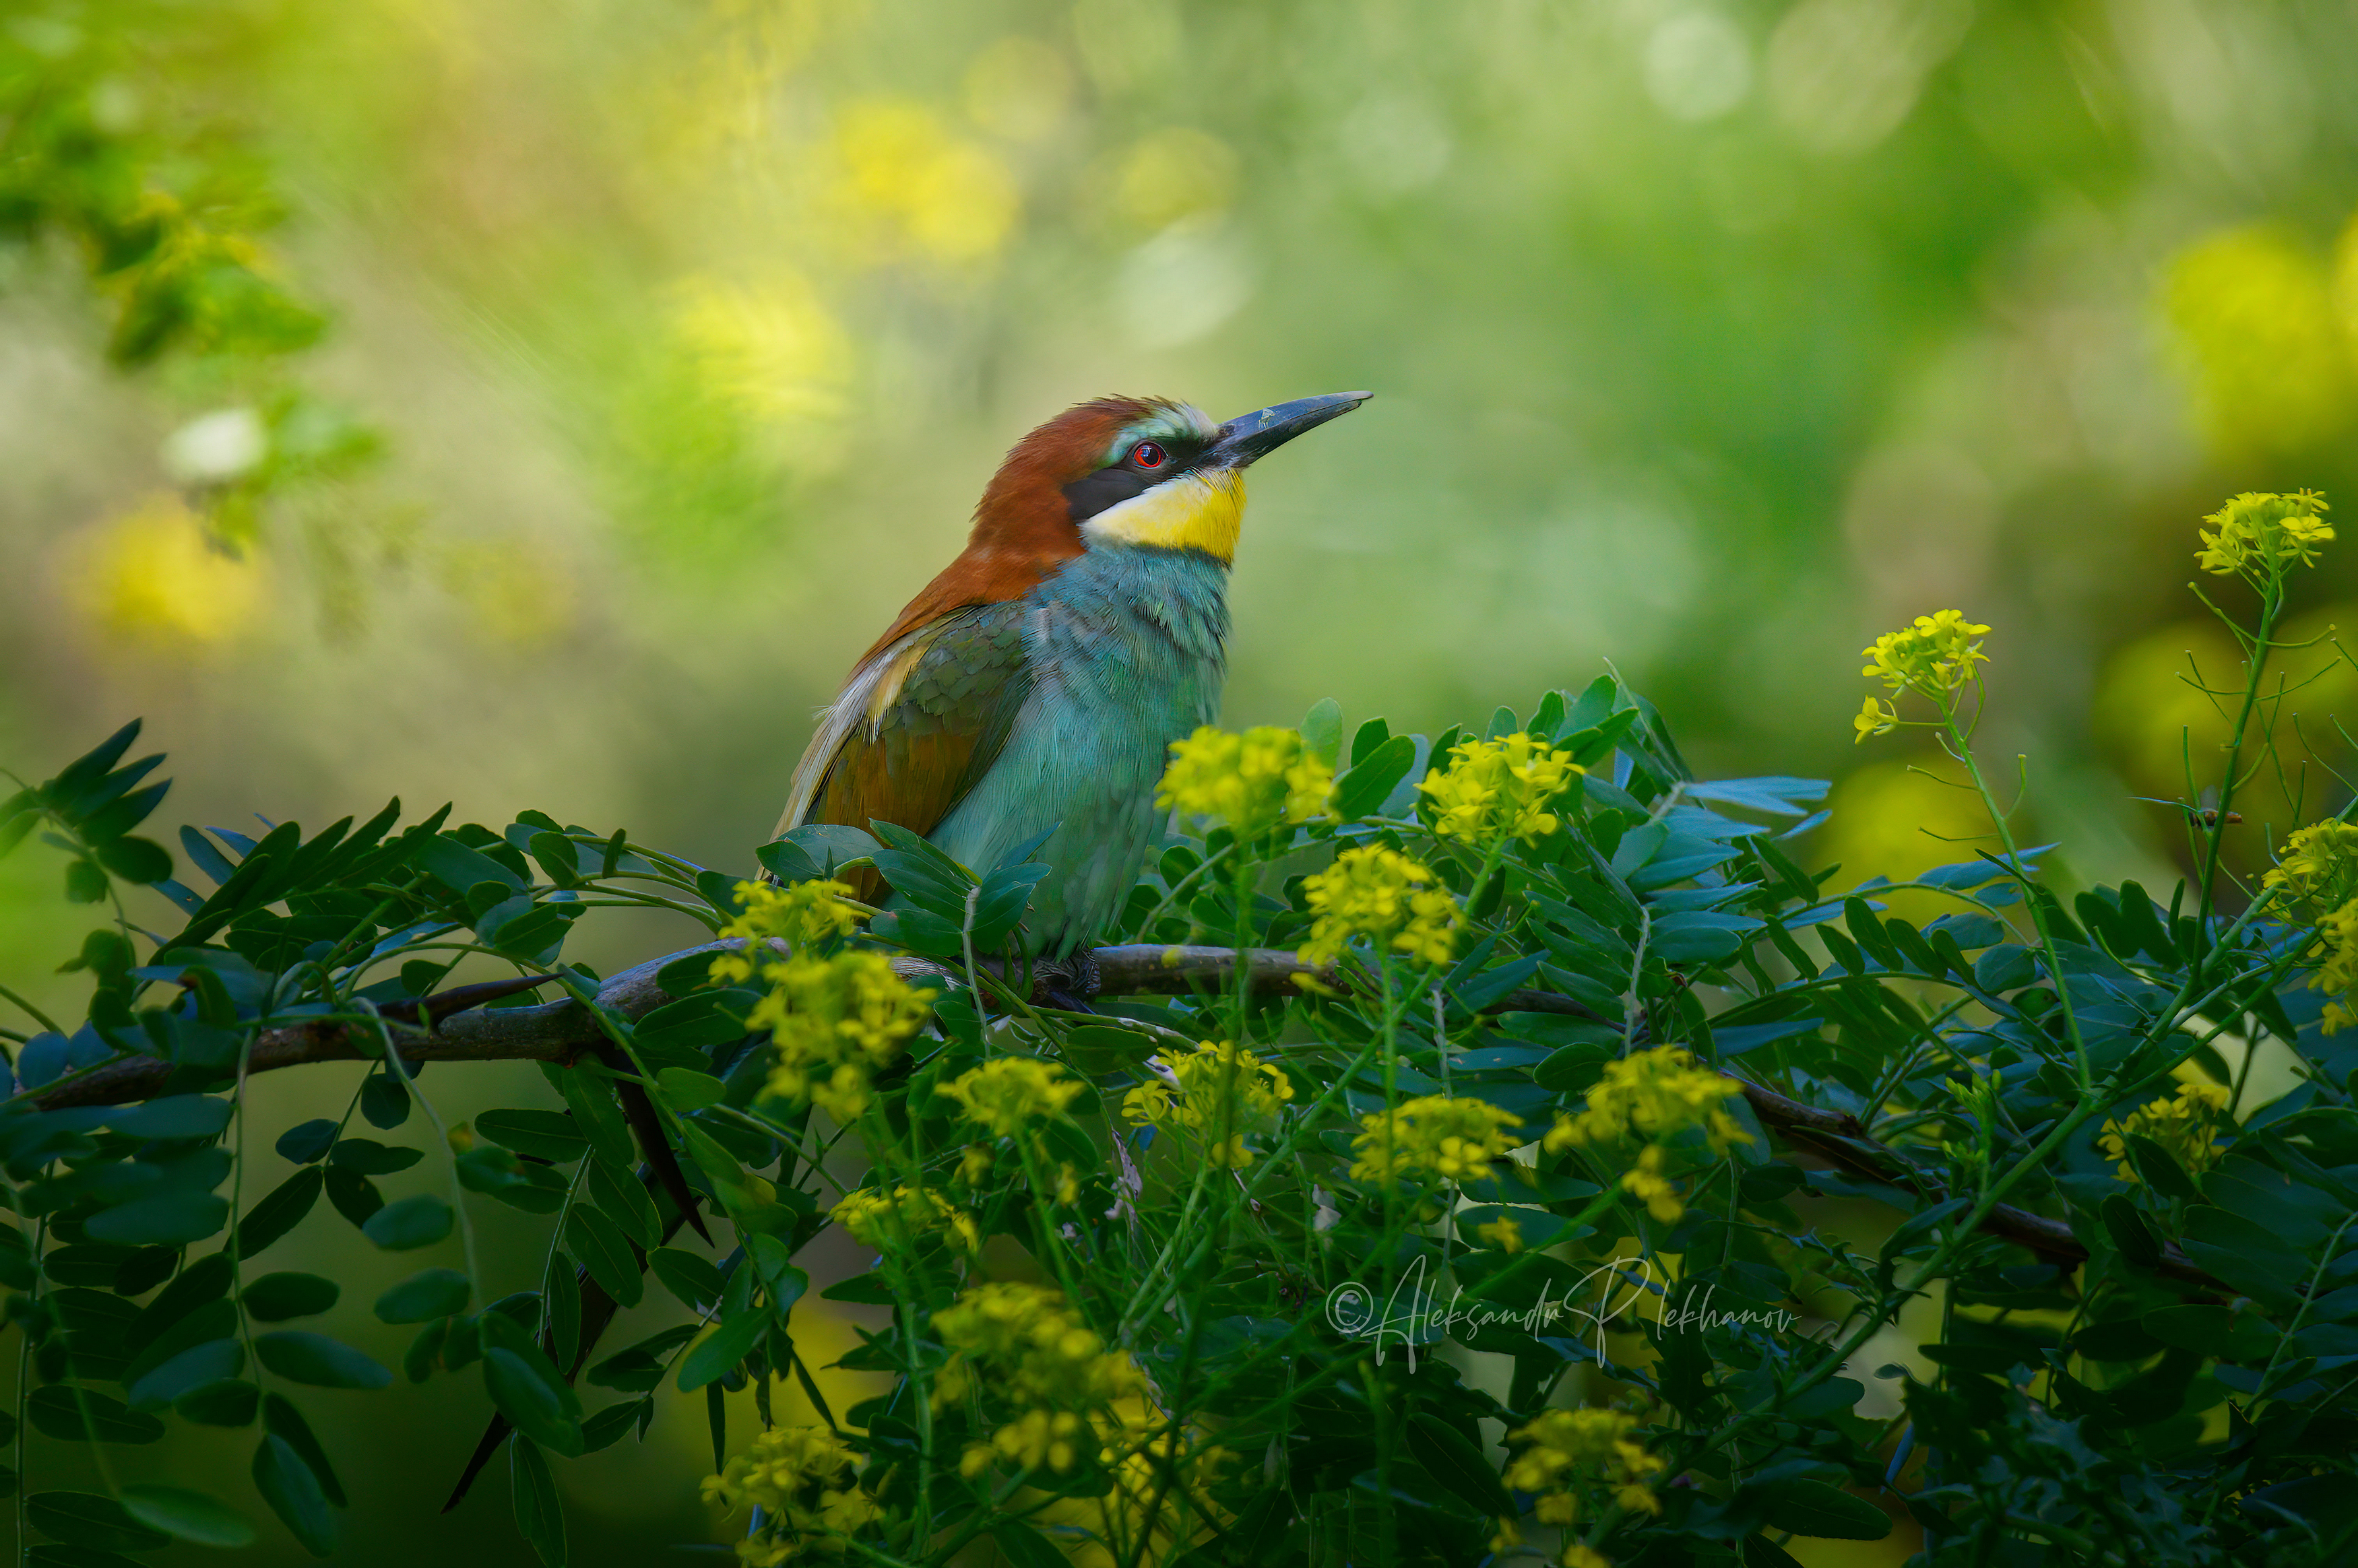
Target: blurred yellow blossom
{"x":2183,"y":1125}
{"x":2260,"y":534}
{"x":1934,"y":657}
{"x":1653,"y":1095}
{"x":1561,"y":1450}
{"x":770,"y":348}
{"x":1021,"y":1346}
{"x":906,"y":185}
{"x":1496,"y":789}
{"x":152,"y":579}
{"x":1436,"y":1136}
{"x":1384,"y":896}
{"x":2337,"y":944}
{"x":1647,"y":1183}
{"x":1003,"y":1094}
{"x":836,"y":1021}
{"x":797,"y":915}
{"x":805,"y":1481}
{"x":1505,"y":1233}
{"x":872,"y":1214}
{"x":1174,"y":174}
{"x":1223,"y":1092}
{"x":1018,"y":88}
{"x":1250,"y":783}
{"x":2272,"y":362}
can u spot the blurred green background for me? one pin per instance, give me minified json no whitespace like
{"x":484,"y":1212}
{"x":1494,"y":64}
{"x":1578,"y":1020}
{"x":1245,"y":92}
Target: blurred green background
{"x":1709,"y":339}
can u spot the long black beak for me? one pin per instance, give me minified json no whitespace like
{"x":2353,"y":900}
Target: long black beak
{"x":1251,"y":437}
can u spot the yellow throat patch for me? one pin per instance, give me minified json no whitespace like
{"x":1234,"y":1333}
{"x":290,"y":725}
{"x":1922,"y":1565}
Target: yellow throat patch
{"x":1193,"y":512}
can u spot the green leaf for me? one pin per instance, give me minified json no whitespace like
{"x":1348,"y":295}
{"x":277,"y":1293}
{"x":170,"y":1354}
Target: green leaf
{"x":86,"y":1519}
{"x":143,"y":861}
{"x":231,"y":1401}
{"x":2159,"y":1169}
{"x":355,"y":1196}
{"x":459,"y":868}
{"x":1372,"y":778}
{"x":208,"y":1362}
{"x":603,"y":1249}
{"x":384,"y":1101}
{"x":524,"y":1384}
{"x":624,"y":1200}
{"x":539,"y":1514}
{"x":292,"y":1492}
{"x":1025,"y":1547}
{"x":1456,"y":1460}
{"x":721,"y":1349}
{"x":371,"y":1158}
{"x":435,"y":1292}
{"x":686,"y":1089}
{"x":309,"y":1141}
{"x":172,"y":1219}
{"x":412,"y":1223}
{"x":85,"y":883}
{"x":1814,"y":1508}
{"x":1321,"y":730}
{"x":84,"y":1415}
{"x":304,"y":1357}
{"x":562,"y":1297}
{"x":2131,"y":1237}
{"x":191,"y":1516}
{"x":275,"y":1298}
{"x":281,"y":1211}
{"x":695,"y":1280}
{"x":546,"y":1134}
{"x":285,"y":1423}
{"x":557,"y":856}
{"x":606,"y":1428}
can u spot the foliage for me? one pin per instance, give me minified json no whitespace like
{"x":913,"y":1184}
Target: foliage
{"x":1573,"y":1052}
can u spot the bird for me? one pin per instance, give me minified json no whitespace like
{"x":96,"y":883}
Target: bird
{"x":1036,"y":685}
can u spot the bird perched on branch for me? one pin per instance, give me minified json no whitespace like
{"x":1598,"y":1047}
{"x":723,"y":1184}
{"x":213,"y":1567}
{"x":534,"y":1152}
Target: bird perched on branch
{"x":1039,"y":681}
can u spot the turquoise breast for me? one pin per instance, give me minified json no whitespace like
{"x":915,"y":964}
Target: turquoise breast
{"x":1127,"y":650}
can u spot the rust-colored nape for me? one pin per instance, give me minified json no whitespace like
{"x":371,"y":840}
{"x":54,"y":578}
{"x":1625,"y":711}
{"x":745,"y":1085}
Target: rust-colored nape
{"x":1024,"y":527}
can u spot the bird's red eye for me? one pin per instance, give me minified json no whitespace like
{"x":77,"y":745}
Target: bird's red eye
{"x":1146,"y":455}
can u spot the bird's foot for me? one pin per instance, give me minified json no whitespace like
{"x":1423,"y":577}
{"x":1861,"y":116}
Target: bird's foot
{"x":1065,"y":984}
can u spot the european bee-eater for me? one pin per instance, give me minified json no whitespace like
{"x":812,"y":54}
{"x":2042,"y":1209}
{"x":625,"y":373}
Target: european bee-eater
{"x":1039,"y":681}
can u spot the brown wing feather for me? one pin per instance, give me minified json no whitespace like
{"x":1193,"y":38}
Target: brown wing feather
{"x":928,"y":730}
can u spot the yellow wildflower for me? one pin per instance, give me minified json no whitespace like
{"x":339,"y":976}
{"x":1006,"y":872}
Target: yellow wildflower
{"x":2337,"y":943}
{"x":1452,"y":1139}
{"x":1022,"y":1345}
{"x":805,"y":1481}
{"x":1495,"y":789}
{"x":1874,"y":718}
{"x":835,"y":1021}
{"x":1384,"y":896}
{"x":804,"y":913}
{"x":1251,"y":783}
{"x":2182,"y":1125}
{"x":1647,"y":1183}
{"x":872,"y":1214}
{"x":1004,"y":1093}
{"x":2319,"y":864}
{"x":1564,"y":1449}
{"x":1654,"y":1093}
{"x":2260,"y":535}
{"x":1575,"y":1555}
{"x":1502,"y":1233}
{"x":974,"y":1164}
{"x":1224,"y":1091}
{"x":1933,"y":657}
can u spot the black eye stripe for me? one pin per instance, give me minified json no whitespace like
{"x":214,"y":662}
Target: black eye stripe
{"x":1118,"y":481}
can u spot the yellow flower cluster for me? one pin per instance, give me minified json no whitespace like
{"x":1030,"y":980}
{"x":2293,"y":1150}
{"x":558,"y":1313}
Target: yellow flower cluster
{"x":1933,"y":657}
{"x":2183,"y":1125}
{"x":1496,"y":789}
{"x":1503,"y":1233}
{"x":1251,"y":783}
{"x":2320,"y":865}
{"x":2337,"y":943}
{"x":882,"y":1217}
{"x":835,"y":1021}
{"x":1384,"y":896}
{"x":1654,"y":1093}
{"x":1224,"y":1092}
{"x":1453,"y":1140}
{"x":802,"y":914}
{"x":1004,"y":1093}
{"x":1565,"y":1449}
{"x":805,"y":1481}
{"x":2260,"y":535}
{"x":1024,"y":1346}
{"x":1646,"y":1183}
